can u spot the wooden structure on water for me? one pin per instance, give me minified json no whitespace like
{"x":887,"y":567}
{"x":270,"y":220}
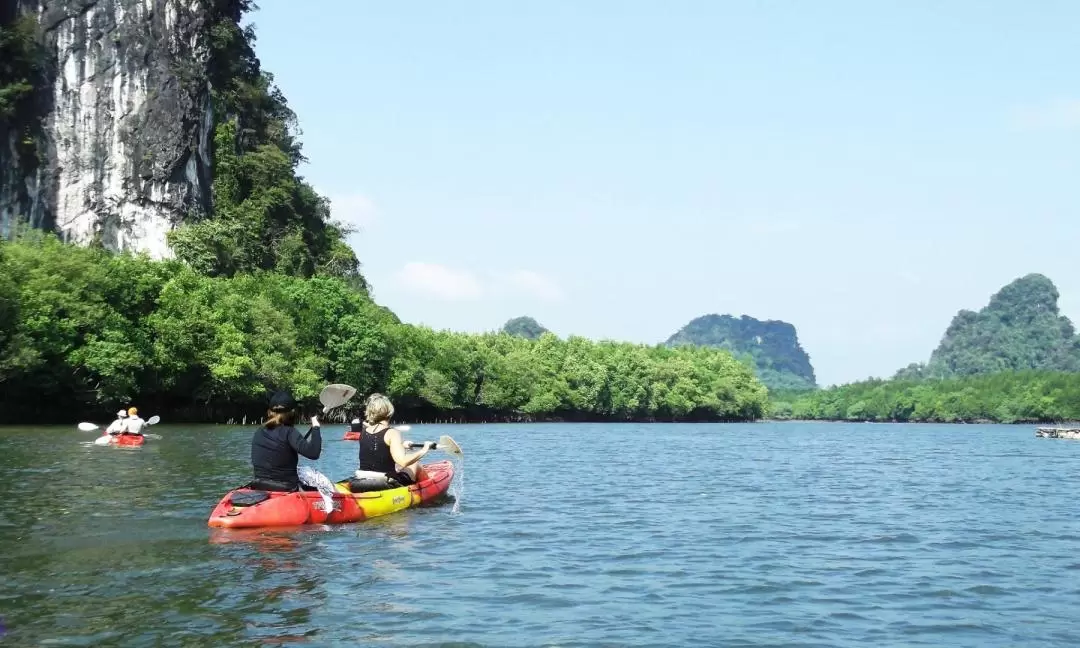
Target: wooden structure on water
{"x":1058,"y":432}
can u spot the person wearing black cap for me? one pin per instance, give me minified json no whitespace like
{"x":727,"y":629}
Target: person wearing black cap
{"x":277,"y":444}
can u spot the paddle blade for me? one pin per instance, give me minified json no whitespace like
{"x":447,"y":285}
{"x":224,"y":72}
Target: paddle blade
{"x":333,"y":396}
{"x":448,"y":444}
{"x":154,"y":420}
{"x":101,"y":441}
{"x":87,"y":427}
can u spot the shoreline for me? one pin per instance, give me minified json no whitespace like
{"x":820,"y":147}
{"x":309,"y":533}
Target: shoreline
{"x":405,"y":420}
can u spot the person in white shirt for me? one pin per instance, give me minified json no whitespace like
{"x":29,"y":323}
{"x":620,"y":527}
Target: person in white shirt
{"x":134,"y":423}
{"x":117,"y":426}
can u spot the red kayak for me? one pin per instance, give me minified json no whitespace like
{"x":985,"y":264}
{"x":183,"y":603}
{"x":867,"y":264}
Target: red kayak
{"x":246,"y":508}
{"x":351,"y":436}
{"x":127,"y":440}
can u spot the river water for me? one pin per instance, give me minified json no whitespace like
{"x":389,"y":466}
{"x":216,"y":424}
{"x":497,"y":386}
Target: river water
{"x":789,"y":534}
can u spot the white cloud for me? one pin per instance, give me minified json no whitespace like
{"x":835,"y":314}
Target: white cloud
{"x":355,"y":210}
{"x":1060,"y":114}
{"x":535,"y":284}
{"x":456,"y":284}
{"x":439,"y":281}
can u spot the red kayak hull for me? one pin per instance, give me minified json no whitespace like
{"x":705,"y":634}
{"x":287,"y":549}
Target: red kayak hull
{"x":351,"y":436}
{"x":297,"y":509}
{"x":126,"y":440}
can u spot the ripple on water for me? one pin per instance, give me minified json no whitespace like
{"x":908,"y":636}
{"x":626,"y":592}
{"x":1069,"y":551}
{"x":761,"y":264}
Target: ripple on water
{"x":801,"y":535}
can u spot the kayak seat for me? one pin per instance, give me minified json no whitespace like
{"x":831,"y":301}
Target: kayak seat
{"x":271,"y":485}
{"x":364,"y":481}
{"x":249,"y":499}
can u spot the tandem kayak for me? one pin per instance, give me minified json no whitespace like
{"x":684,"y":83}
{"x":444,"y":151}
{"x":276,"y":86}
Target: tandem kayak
{"x":125,"y":440}
{"x":351,"y":436}
{"x":247,"y":508}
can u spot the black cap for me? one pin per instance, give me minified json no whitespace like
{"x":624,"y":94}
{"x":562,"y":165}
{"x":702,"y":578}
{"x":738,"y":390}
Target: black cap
{"x":283,"y":400}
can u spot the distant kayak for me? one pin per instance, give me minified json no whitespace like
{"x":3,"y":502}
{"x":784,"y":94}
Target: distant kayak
{"x":247,"y":508}
{"x":126,"y":440}
{"x":122,"y":439}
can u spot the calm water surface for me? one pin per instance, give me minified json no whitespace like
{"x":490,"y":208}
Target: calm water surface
{"x":561,"y":535}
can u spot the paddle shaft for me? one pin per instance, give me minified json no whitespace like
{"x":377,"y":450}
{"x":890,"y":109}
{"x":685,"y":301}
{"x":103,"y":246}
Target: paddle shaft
{"x":90,"y":427}
{"x":420,"y":444}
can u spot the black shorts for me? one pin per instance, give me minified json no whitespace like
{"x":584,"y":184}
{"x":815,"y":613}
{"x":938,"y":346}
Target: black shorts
{"x":402,"y":478}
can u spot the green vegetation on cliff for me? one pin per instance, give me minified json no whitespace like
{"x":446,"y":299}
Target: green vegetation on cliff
{"x":1021,"y":328}
{"x":525,"y":327}
{"x":83,"y":331}
{"x":771,"y":347}
{"x":22,"y":68}
{"x":265,"y":217}
{"x":21,"y":62}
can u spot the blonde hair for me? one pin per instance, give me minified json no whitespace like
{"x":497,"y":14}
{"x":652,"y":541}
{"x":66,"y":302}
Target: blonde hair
{"x":378,"y":409}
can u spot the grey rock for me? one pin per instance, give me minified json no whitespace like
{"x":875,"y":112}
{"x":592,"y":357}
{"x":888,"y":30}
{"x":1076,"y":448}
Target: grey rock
{"x":123,"y":151}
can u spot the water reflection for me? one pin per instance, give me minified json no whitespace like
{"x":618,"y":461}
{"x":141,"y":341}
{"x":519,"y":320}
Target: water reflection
{"x":278,"y":571}
{"x":260,"y":539}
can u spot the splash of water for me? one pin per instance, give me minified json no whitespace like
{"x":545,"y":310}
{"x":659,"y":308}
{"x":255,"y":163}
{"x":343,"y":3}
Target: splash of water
{"x":457,"y":487}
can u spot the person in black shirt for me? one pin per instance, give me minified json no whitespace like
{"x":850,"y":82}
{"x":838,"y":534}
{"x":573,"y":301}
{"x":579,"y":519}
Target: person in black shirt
{"x":277,"y":444}
{"x":381,"y":449}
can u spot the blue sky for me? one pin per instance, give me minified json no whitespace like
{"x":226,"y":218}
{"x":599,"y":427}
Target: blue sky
{"x":860,"y":169}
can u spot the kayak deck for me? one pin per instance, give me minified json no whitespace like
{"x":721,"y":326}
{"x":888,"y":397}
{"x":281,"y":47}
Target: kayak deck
{"x":270,"y":509}
{"x":351,"y":436}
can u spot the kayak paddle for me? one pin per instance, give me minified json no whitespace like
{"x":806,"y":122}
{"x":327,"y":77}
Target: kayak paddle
{"x":336,"y":395}
{"x":444,"y":443}
{"x":90,"y":427}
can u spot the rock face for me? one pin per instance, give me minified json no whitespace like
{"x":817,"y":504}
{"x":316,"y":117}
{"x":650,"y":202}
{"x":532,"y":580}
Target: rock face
{"x":123,"y":150}
{"x":772,"y":345}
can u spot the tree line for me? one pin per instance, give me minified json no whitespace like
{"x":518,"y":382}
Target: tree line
{"x":1002,"y":397}
{"x":84,"y":331}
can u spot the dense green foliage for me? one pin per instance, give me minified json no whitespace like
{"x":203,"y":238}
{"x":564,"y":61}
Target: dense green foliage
{"x":1005,"y":397}
{"x":1021,"y":328}
{"x":525,"y":327}
{"x":265,"y":216}
{"x":771,"y":347}
{"x":83,"y":332}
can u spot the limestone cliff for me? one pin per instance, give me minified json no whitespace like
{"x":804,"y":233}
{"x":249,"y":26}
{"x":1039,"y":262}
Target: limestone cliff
{"x":1021,"y":329}
{"x":772,"y":347}
{"x":525,"y":327}
{"x":119,"y":147}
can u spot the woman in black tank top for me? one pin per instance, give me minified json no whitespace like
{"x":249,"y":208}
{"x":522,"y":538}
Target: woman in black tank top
{"x":381,"y":449}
